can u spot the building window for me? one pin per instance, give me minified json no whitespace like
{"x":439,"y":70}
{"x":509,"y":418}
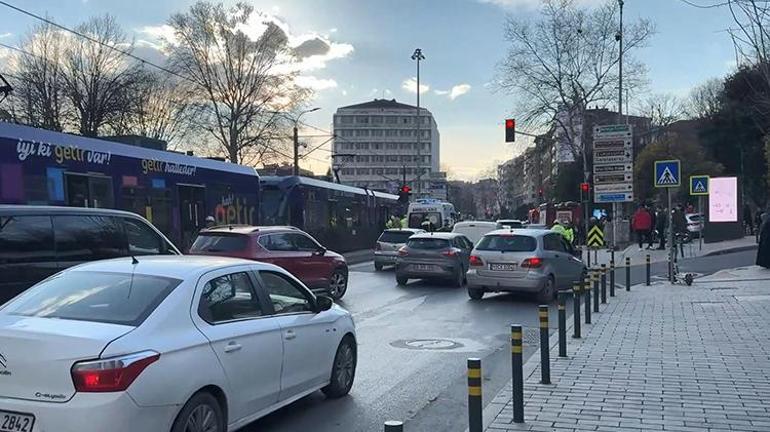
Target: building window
{"x":377,"y":119}
{"x":425,"y":133}
{"x":362,"y":132}
{"x":391,"y":171}
{"x":363,"y":171}
{"x":377,"y":132}
{"x":391,"y":119}
{"x":405,"y":132}
{"x":406,"y":120}
{"x":362,"y":119}
{"x":346,"y":132}
{"x":376,"y":146}
{"x":378,"y":171}
{"x":346,"y":119}
{"x":391,"y":132}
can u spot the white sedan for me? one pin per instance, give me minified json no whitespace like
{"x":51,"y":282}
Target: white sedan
{"x":179,"y":344}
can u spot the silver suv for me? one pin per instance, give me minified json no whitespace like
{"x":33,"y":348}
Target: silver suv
{"x":390,"y":241}
{"x":523,"y":260}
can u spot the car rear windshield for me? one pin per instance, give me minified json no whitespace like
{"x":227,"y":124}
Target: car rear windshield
{"x":216,"y":242}
{"x":428,"y":243}
{"x":399,"y":237}
{"x":507,"y":243}
{"x":116,"y":298}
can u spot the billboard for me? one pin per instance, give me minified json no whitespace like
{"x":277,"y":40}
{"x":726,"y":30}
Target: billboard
{"x":723,"y":199}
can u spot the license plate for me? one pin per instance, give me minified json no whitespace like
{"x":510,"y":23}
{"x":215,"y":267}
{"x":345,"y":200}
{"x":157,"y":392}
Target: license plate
{"x":16,"y":422}
{"x":425,"y":267}
{"x":502,"y":267}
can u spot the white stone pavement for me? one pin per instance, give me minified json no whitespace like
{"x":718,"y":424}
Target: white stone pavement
{"x":660,"y":358}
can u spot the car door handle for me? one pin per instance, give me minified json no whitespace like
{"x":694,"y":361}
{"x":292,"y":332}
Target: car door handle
{"x":290,"y":335}
{"x":233,"y":347}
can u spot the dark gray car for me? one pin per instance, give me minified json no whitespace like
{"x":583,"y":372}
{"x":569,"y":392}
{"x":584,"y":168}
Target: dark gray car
{"x":434,"y":256}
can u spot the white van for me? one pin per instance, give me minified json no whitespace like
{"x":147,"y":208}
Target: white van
{"x":474,"y":230}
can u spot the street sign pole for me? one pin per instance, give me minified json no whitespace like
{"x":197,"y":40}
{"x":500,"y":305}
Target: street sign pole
{"x":702,"y":222}
{"x":671,"y":245}
{"x":614,"y":226}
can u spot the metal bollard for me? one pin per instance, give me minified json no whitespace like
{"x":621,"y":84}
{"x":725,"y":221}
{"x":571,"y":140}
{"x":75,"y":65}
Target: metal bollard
{"x":563,"y":323}
{"x":596,"y":290}
{"x":577,"y":289}
{"x":517,"y":374}
{"x":587,"y":295}
{"x":648,"y":270}
{"x":588,"y":254}
{"x":394,"y":426}
{"x":474,"y":395}
{"x":612,"y":278}
{"x":604,"y":283}
{"x":628,"y":274}
{"x":545,"y":352}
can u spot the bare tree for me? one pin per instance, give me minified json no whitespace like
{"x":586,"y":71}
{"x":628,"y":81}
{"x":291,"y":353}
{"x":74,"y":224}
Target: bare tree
{"x":703,"y":100}
{"x":566,"y":60}
{"x":662,"y":108}
{"x":245,"y":85}
{"x":97,"y":78}
{"x":38,"y":98}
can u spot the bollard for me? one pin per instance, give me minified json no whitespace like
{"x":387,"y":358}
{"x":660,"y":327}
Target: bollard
{"x":394,"y":426}
{"x":577,"y":288}
{"x":612,"y":278}
{"x":588,"y":254}
{"x":563,"y":323}
{"x":648,"y":270}
{"x":474,"y":395}
{"x":612,"y":254}
{"x":604,"y":283}
{"x":628,"y":274}
{"x":545,"y":352}
{"x":587,"y":295}
{"x":596,"y":290}
{"x":517,"y":374}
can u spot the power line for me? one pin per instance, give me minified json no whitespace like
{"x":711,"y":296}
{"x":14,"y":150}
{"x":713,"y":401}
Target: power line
{"x":708,"y":6}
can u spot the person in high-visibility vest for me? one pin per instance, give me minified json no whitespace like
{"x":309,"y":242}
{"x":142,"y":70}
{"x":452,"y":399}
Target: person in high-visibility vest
{"x":566,"y":232}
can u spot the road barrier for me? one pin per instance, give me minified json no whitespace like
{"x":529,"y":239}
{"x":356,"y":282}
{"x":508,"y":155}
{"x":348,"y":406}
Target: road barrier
{"x":587,"y":295}
{"x":596,"y":290}
{"x":612,"y":278}
{"x":604,"y":283}
{"x":563,"y":323}
{"x":648,"y":270}
{"x":545,"y":352}
{"x":394,"y":426}
{"x":475,"y":423}
{"x":517,"y":374}
{"x":628,"y":273}
{"x":577,"y":289}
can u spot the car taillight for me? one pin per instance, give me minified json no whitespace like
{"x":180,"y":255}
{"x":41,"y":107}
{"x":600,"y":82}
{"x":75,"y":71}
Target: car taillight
{"x":476,"y":261}
{"x":403,"y":251}
{"x":532,"y":263}
{"x":111,"y":375}
{"x":451,"y":252}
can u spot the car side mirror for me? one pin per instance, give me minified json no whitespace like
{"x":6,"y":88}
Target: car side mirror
{"x":321,"y":251}
{"x":323,"y":303}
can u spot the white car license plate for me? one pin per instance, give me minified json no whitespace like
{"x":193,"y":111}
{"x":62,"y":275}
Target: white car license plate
{"x":424,"y":267}
{"x":16,"y":422}
{"x":502,"y":267}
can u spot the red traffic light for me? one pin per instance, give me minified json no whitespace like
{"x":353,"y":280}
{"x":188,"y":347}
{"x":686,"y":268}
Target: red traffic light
{"x":585,"y":187}
{"x":510,"y":130}
{"x":510,"y":124}
{"x":406,"y":189}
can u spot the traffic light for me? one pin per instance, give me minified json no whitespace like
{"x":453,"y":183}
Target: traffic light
{"x":585,"y":190}
{"x":510,"y":130}
{"x":404,"y":193}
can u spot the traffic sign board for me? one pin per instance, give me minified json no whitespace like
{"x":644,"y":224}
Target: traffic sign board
{"x":613,"y":144}
{"x":614,"y":188}
{"x":606,"y":198}
{"x":699,"y":185}
{"x":595,"y":238}
{"x":612,"y":131}
{"x":613,"y":169}
{"x":613,"y":163}
{"x":613,"y":178}
{"x":667,"y":174}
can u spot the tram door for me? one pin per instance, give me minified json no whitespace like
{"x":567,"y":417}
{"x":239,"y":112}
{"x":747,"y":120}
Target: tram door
{"x":89,"y":191}
{"x":192,"y":213}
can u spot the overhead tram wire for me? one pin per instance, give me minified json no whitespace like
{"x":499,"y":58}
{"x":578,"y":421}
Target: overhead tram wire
{"x":708,"y":6}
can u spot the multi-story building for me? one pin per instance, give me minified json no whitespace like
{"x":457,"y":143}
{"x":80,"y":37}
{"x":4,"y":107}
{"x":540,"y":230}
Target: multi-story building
{"x":381,"y":139}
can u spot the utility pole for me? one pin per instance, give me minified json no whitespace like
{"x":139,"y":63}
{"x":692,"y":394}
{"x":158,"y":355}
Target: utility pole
{"x":418,"y":57}
{"x":619,"y":37}
{"x":296,"y":150}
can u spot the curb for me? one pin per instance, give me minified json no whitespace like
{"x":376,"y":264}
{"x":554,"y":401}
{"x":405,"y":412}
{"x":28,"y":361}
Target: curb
{"x":732,"y":250}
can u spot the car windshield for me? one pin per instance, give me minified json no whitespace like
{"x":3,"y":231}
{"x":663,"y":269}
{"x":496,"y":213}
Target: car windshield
{"x":507,"y":243}
{"x":428,"y":243}
{"x":216,"y":242}
{"x":399,"y":237}
{"x":117,"y":298}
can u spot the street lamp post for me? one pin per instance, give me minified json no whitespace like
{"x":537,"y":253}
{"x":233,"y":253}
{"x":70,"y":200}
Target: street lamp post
{"x":418,"y":57}
{"x":620,"y":65}
{"x":295,"y":169}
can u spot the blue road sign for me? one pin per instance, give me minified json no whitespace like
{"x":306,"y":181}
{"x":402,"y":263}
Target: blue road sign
{"x":699,"y":185}
{"x":667,"y":174}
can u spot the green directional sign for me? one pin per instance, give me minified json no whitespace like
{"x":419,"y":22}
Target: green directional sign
{"x":699,"y":185}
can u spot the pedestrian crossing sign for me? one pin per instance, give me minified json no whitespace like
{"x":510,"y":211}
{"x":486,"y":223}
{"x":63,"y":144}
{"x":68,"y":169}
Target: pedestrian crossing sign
{"x":699,"y":185}
{"x":667,"y":174}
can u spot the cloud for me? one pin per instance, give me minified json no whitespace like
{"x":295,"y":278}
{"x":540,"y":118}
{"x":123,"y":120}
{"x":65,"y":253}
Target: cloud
{"x":455,"y":91}
{"x":315,"y":83}
{"x":5,"y":35}
{"x":410,"y":85}
{"x":158,"y":34}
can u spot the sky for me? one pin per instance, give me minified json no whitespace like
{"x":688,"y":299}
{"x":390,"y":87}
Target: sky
{"x":360,"y":50}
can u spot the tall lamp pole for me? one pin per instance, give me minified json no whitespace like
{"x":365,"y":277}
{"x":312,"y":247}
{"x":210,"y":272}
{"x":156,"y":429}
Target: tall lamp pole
{"x":418,"y":57}
{"x":619,"y":37}
{"x":296,"y":139}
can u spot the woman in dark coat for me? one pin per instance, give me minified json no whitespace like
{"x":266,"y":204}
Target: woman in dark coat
{"x":763,"y":253}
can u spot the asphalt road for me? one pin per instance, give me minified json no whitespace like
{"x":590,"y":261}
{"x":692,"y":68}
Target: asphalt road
{"x":413,"y":346}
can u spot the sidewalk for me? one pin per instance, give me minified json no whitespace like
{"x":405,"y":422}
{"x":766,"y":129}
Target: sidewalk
{"x":660,"y":358}
{"x":691,"y":250}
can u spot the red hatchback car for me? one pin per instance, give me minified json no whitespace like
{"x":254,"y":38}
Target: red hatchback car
{"x":296,"y":251}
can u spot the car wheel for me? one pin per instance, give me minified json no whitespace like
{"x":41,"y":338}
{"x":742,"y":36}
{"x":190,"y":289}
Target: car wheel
{"x":377,"y":267}
{"x":201,"y":413}
{"x":343,"y":370}
{"x":338,"y":284}
{"x":549,"y":290}
{"x":459,"y":278}
{"x":402,"y":280}
{"x":475,"y":293}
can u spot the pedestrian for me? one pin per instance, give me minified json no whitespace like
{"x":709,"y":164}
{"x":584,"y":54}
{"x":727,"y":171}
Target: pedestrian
{"x":679,"y":222}
{"x":641,"y":223}
{"x":661,"y":223}
{"x":559,"y":227}
{"x":763,"y":252}
{"x":653,"y":223}
{"x":748,"y":221}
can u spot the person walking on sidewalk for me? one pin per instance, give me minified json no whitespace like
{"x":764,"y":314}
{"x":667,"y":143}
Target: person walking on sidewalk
{"x":763,"y":252}
{"x":642,"y":225}
{"x":661,"y":223}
